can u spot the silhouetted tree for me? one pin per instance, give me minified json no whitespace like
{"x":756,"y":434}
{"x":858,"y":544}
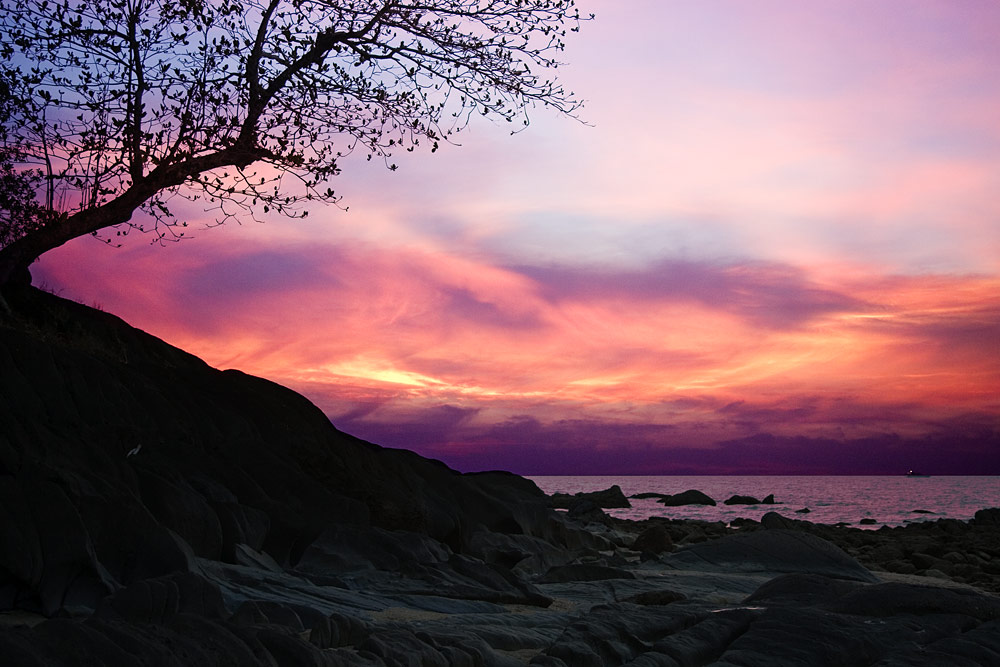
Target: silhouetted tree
{"x":20,"y":211}
{"x":247,"y":105}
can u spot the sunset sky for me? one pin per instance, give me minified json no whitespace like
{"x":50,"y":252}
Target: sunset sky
{"x":774,"y":247}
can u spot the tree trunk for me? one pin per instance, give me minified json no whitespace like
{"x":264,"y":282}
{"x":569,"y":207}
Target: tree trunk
{"x":25,"y":250}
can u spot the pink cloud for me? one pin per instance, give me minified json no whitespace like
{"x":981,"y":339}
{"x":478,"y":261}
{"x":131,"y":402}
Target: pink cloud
{"x":781,"y":225}
{"x":385,"y":339}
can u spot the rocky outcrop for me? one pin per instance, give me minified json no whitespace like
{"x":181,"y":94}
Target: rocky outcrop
{"x":689,"y":497}
{"x":748,"y":500}
{"x":609,"y":498}
{"x":771,"y":551}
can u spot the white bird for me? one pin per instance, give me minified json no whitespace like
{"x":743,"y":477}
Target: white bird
{"x":134,"y":451}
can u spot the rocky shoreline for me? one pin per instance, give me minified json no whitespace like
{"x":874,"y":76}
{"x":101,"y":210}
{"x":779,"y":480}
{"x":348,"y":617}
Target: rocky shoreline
{"x":155,"y":511}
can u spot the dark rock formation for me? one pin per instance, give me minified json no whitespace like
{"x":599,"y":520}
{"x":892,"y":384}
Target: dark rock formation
{"x":741,"y":500}
{"x":584,"y":572}
{"x":609,"y":498}
{"x":749,"y":500}
{"x":689,"y":497}
{"x":654,"y":540}
{"x":138,"y":485}
{"x":771,"y":551}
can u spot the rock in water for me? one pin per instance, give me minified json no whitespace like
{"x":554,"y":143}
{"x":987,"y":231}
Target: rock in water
{"x":742,"y":500}
{"x":689,"y":497}
{"x":609,"y":498}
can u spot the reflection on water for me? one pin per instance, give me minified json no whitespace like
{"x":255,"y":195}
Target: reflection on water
{"x":888,"y":500}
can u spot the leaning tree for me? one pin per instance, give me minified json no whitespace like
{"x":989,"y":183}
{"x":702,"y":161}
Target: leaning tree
{"x":116,"y":108}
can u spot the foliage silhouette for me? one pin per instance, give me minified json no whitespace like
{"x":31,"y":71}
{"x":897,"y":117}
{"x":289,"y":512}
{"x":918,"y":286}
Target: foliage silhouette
{"x":247,"y":106}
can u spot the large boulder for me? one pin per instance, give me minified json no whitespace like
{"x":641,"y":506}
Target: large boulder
{"x":741,"y":500}
{"x":654,"y":540}
{"x":609,"y":498}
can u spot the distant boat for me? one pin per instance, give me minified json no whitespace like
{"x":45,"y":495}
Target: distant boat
{"x":914,"y":473}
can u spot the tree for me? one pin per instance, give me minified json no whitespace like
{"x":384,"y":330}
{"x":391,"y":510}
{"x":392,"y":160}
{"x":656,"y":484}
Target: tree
{"x":20,"y":212}
{"x":248,"y":105}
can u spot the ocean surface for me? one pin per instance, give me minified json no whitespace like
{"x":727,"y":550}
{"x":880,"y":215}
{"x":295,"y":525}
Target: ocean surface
{"x":892,"y":501}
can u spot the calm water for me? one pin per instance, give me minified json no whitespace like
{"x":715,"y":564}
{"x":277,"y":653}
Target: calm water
{"x":888,"y":500}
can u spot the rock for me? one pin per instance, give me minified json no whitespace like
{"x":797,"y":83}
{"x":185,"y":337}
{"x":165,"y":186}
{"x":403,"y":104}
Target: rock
{"x":587,"y":511}
{"x":804,"y":510}
{"x":900,"y":567}
{"x":647,"y":495}
{"x":774,"y":550}
{"x":689,"y":497}
{"x":935,"y":574}
{"x":868,"y":522}
{"x":987,"y":517}
{"x":773,"y":520}
{"x":802,"y":589}
{"x":743,"y":500}
{"x":926,"y":561}
{"x":654,"y":540}
{"x":583,"y":572}
{"x":892,"y":599}
{"x":768,"y":499}
{"x":339,"y":630}
{"x":609,"y":498}
{"x":657,"y":597}
{"x":157,"y":600}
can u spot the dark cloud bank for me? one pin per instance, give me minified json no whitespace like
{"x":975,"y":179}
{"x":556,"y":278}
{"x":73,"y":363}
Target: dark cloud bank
{"x":579,"y":447}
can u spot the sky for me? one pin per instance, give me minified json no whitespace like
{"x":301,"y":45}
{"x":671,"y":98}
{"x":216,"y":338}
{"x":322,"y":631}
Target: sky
{"x":772,"y":248}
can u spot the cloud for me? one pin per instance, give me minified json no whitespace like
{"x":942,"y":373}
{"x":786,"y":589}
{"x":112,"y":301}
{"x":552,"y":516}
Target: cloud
{"x":788,"y":245}
{"x":764,"y":294}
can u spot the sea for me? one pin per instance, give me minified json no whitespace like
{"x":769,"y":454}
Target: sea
{"x":891,"y":501}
